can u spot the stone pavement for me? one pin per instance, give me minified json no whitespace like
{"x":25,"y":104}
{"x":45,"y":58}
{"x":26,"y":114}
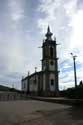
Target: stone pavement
{"x":32,"y":112}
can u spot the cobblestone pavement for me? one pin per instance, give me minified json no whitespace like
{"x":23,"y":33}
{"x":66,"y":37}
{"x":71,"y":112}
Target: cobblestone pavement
{"x":32,"y":112}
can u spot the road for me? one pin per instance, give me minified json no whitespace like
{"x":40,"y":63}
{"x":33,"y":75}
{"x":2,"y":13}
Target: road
{"x":32,"y":112}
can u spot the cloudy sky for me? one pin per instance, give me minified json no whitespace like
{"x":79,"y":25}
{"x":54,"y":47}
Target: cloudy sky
{"x":23,"y":24}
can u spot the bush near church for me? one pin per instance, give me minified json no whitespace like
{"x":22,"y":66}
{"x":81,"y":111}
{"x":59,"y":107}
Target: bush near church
{"x":73,"y":93}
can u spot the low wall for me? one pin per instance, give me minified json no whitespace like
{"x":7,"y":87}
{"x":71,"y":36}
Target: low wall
{"x":5,"y":96}
{"x":66,"y":101}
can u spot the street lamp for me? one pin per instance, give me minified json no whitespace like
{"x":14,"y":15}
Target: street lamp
{"x":74,"y":58}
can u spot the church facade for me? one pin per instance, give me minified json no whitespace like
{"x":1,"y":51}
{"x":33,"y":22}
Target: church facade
{"x":44,"y":82}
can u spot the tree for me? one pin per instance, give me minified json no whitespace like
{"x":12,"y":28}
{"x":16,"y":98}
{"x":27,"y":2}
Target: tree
{"x":81,"y":82}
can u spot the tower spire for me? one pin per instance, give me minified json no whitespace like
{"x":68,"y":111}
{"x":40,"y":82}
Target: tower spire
{"x":48,"y":30}
{"x":48,"y":34}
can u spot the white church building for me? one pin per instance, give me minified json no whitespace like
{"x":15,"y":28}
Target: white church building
{"x":44,"y":82}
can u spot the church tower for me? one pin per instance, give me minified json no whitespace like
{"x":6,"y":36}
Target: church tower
{"x":49,"y":64}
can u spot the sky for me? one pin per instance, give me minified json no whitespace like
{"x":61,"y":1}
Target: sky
{"x":23,"y":24}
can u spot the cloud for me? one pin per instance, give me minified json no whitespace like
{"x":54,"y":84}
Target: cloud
{"x":20,"y":37}
{"x":66,"y":66}
{"x":65,"y":18}
{"x":13,"y":41}
{"x":59,"y":15}
{"x":71,"y":7}
{"x":77,"y":24}
{"x":16,"y":10}
{"x":10,"y":79}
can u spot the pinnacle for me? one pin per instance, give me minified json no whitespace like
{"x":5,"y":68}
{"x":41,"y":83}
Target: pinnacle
{"x":48,"y":30}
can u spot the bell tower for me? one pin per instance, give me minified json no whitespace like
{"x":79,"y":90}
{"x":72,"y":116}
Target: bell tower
{"x":49,"y":64}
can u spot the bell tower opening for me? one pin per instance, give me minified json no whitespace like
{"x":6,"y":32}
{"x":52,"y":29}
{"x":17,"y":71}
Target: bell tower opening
{"x":51,"y":51}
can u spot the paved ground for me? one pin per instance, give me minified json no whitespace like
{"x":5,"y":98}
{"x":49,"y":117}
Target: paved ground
{"x":39,"y":113}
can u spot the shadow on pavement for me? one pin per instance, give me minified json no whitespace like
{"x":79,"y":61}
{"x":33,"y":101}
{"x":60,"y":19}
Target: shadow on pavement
{"x":76,"y":113}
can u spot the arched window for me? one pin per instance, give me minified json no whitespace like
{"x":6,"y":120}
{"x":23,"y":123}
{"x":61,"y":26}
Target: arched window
{"x":51,"y":51}
{"x":52,"y":82}
{"x":51,"y":62}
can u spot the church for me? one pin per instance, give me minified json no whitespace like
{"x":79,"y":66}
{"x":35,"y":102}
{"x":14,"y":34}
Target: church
{"x":46,"y":81}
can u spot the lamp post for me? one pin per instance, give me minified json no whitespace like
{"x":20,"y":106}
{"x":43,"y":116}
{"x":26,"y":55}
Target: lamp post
{"x":74,"y":58}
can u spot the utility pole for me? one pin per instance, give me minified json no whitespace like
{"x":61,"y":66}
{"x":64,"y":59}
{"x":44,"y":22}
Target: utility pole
{"x":75,"y":77}
{"x":28,"y":83}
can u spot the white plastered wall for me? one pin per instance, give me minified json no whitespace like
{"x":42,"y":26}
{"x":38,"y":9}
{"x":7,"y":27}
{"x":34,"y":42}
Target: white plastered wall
{"x":33,"y":86}
{"x":24,"y":85}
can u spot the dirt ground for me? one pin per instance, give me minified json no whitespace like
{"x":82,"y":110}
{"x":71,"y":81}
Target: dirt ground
{"x":32,"y":112}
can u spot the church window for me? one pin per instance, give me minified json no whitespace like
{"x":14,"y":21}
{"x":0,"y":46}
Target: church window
{"x":52,"y":82}
{"x":51,"y":62}
{"x":51,"y":51}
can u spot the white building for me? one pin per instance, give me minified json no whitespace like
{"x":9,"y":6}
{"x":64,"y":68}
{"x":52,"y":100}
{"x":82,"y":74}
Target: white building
{"x":44,"y":82}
